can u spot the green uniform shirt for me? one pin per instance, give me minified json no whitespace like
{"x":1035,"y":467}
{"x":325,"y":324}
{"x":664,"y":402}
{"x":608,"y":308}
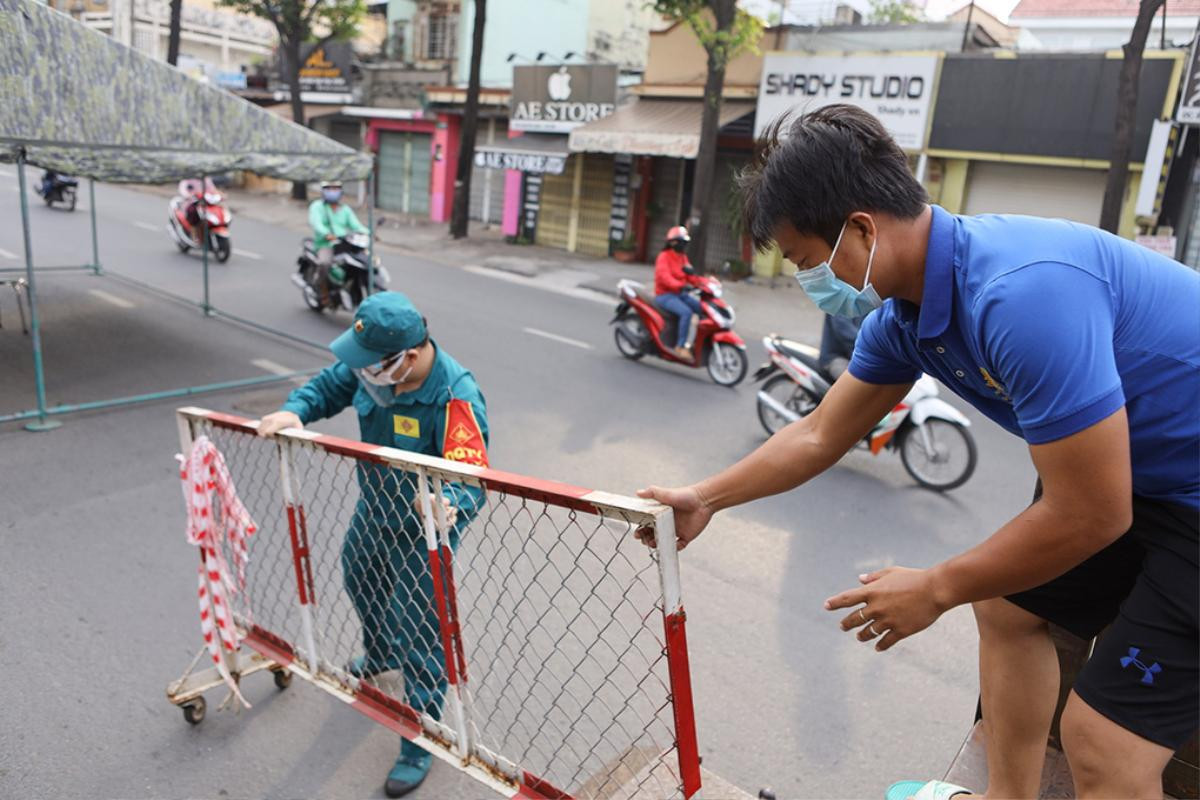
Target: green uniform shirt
{"x":416,"y":421}
{"x":325,"y":220}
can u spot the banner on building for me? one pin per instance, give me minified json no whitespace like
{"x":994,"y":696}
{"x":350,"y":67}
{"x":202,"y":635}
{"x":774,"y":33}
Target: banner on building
{"x":556,"y":99}
{"x":896,"y":89}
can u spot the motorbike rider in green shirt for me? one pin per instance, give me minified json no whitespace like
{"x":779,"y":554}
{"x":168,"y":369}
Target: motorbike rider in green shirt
{"x":331,"y":219}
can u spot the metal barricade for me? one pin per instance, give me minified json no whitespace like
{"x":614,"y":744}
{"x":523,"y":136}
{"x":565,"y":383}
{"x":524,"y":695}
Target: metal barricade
{"x":511,"y":626}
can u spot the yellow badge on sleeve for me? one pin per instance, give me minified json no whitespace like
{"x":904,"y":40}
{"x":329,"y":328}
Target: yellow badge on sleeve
{"x":406,"y":426}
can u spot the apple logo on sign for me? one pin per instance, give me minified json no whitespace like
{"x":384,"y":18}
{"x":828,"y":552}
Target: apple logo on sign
{"x":559,"y":84}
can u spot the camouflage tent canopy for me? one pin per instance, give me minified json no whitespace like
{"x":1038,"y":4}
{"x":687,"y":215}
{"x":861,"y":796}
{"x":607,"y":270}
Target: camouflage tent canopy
{"x":80,"y":103}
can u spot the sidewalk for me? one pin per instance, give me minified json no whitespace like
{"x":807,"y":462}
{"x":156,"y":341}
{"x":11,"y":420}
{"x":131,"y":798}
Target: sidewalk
{"x":763,"y":305}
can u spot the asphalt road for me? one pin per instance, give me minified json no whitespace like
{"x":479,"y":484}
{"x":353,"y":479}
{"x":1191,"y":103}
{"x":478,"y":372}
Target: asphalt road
{"x":97,"y":586}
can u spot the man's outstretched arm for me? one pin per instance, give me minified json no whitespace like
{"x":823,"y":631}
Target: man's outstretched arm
{"x":799,"y":452}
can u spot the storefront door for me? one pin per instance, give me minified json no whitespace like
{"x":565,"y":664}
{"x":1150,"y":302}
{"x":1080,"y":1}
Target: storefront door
{"x":405,"y":164}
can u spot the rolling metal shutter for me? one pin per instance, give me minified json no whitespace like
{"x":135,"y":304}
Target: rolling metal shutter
{"x":554,"y":219}
{"x":405,"y":164}
{"x":595,"y":205}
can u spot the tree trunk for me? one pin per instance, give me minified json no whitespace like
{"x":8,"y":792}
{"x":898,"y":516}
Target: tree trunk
{"x":706,"y":158}
{"x":470,"y":122}
{"x":291,"y":49}
{"x":173,"y":34}
{"x":1118,"y":163}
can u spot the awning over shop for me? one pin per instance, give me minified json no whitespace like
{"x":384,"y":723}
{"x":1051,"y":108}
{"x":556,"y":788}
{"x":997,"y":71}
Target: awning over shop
{"x":653,"y":128}
{"x":533,"y":152}
{"x":78,"y":102}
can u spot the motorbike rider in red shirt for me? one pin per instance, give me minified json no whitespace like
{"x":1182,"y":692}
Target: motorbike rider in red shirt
{"x":672,"y":276}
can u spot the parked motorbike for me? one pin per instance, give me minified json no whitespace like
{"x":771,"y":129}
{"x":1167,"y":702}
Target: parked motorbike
{"x":642,"y":328}
{"x":932,"y":436}
{"x":188,"y":233}
{"x":347,"y":274}
{"x":56,"y":188}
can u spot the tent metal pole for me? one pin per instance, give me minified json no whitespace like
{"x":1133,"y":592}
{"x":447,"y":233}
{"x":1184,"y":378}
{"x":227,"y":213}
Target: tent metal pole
{"x":204,"y":247}
{"x":39,"y":377}
{"x":371,"y":232}
{"x":95,"y":244}
{"x":152,"y":396}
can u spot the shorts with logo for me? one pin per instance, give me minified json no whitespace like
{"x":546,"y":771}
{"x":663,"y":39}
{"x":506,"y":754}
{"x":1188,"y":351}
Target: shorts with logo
{"x":1144,"y":673}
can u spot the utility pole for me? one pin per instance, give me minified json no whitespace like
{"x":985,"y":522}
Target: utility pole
{"x":967,"y":27}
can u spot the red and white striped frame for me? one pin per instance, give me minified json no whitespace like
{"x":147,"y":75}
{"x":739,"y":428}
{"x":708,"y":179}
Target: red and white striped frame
{"x":393,"y":713}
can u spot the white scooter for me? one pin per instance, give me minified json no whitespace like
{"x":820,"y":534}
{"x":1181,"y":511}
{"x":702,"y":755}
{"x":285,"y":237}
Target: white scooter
{"x":935,"y":446}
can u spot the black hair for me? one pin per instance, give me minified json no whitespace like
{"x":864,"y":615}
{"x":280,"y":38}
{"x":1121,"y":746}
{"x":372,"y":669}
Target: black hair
{"x":816,"y":169}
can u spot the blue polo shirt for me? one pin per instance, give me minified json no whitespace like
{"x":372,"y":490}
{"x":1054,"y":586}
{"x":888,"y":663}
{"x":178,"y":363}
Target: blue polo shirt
{"x":1048,"y":327}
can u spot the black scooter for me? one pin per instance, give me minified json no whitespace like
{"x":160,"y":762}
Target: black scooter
{"x":347,"y":274}
{"x":56,"y":188}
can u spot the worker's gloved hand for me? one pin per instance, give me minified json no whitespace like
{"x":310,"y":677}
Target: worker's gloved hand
{"x":278,"y":421}
{"x":449,"y":512}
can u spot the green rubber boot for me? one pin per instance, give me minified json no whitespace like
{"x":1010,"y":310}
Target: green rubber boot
{"x":409,"y":770}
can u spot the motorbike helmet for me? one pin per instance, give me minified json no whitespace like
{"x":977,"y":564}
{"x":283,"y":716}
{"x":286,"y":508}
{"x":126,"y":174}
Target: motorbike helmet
{"x":331,"y":191}
{"x":678,"y":238}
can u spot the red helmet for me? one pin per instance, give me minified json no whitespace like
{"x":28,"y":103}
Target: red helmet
{"x":678,"y":233}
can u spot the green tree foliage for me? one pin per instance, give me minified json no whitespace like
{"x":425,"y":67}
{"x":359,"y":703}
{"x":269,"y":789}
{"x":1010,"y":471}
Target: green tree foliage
{"x":724,"y":31}
{"x":304,"y":26}
{"x":894,"y":12}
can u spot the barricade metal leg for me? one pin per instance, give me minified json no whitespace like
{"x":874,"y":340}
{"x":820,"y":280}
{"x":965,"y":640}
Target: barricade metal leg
{"x":441,"y":589}
{"x":463,"y":708}
{"x":301,"y":555}
{"x":677,"y":655}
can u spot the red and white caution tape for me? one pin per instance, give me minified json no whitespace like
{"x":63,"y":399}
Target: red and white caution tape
{"x":203,"y":472}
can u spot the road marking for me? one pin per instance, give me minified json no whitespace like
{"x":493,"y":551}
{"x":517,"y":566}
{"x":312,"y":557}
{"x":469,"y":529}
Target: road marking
{"x":119,"y":302}
{"x":248,"y":254}
{"x":267,"y":365}
{"x":146,"y":226}
{"x":6,"y":174}
{"x":534,"y":283}
{"x":8,"y":255}
{"x":555,"y":337}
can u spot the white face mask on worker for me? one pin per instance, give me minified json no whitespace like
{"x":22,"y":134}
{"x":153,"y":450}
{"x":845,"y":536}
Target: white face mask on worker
{"x":378,"y":380}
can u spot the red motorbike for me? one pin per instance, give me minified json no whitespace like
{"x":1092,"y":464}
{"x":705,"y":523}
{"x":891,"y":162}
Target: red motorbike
{"x":642,"y":328}
{"x":186,"y":223}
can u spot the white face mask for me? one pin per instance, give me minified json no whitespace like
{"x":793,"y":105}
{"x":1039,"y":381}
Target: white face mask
{"x":381,"y":374}
{"x":377,"y":379}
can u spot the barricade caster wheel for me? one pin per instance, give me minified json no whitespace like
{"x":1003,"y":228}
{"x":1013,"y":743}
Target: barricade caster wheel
{"x":283,"y":678}
{"x":193,"y":711}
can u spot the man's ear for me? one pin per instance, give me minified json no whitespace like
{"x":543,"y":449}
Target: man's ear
{"x":862,"y":224}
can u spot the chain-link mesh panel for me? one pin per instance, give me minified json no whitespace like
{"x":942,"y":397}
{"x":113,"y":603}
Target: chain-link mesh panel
{"x":562,"y":620}
{"x":558,"y":609}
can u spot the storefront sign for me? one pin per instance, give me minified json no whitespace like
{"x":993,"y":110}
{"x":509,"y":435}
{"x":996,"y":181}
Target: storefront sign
{"x":618,"y":222}
{"x":1189,"y":102}
{"x":531,"y":204}
{"x":1160,"y":244}
{"x":555,"y":99}
{"x":896,"y":89}
{"x":327,"y":69}
{"x":524,"y":162}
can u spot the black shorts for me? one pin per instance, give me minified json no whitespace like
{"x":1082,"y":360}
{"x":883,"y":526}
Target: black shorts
{"x":1144,"y":673}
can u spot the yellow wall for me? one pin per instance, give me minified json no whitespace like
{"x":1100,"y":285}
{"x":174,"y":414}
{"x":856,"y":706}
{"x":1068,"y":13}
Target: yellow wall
{"x":954,"y":184}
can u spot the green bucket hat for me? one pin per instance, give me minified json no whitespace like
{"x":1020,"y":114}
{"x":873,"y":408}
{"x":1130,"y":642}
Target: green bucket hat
{"x":384,"y":323}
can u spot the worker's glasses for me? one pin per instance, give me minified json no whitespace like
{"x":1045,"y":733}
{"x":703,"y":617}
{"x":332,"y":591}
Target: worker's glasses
{"x":384,"y":367}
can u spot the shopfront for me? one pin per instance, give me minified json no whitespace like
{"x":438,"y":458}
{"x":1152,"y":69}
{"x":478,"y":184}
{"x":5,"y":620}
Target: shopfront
{"x":1032,"y":134}
{"x":653,"y":143}
{"x":553,"y":197}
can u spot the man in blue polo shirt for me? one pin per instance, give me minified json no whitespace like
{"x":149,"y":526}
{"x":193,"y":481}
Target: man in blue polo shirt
{"x":1085,"y":345}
